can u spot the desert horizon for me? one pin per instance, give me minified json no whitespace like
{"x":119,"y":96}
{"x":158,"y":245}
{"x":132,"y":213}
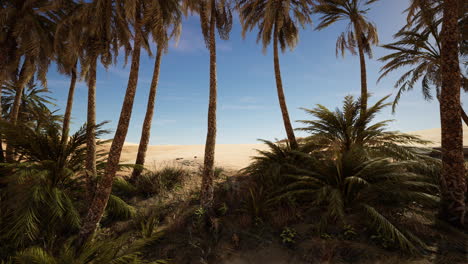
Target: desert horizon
{"x":294,"y":131}
{"x":231,"y":156}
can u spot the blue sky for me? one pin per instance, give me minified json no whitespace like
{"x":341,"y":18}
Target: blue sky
{"x":247,"y":102}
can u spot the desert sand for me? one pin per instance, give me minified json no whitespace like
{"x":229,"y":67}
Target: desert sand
{"x":228,"y":156}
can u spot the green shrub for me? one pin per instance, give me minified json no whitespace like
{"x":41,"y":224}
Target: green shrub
{"x":166,"y":179}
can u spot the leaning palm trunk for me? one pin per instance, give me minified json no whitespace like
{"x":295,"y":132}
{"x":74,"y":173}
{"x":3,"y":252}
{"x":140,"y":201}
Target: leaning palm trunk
{"x":90,"y":163}
{"x":207,"y":189}
{"x":103,"y":190}
{"x":68,"y":109}
{"x":26,"y":73}
{"x":452,"y":181}
{"x":281,"y":97}
{"x":362,"y":62}
{"x":146,"y":131}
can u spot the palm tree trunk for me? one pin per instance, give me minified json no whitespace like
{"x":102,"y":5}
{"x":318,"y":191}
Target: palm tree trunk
{"x":103,"y":190}
{"x":207,"y":189}
{"x":25,"y":76}
{"x":146,"y":130}
{"x":2,"y":157}
{"x":362,"y":61}
{"x":68,"y":110}
{"x":281,"y":97}
{"x":90,"y":164}
{"x":26,"y":73}
{"x":452,"y":181}
{"x":464,"y":116}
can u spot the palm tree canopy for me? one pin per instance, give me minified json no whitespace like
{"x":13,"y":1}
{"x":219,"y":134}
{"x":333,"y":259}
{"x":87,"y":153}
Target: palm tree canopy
{"x":419,"y":47}
{"x":98,"y":29}
{"x":284,"y":16}
{"x":223,"y":18}
{"x":355,"y":12}
{"x":163,"y":18}
{"x":28,"y":27}
{"x":342,"y":129}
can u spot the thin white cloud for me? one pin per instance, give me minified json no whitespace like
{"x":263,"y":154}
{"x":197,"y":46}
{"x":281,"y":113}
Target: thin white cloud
{"x":163,"y":122}
{"x":248,"y":99}
{"x":240,"y":107}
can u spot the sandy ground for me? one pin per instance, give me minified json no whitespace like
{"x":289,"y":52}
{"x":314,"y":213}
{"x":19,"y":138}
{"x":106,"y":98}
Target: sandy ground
{"x":229,"y":156}
{"x":434,"y":136}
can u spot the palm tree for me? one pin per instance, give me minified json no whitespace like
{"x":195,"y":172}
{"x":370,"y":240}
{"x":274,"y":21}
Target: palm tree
{"x":34,"y":107}
{"x":95,"y":30}
{"x":29,"y":30}
{"x":280,"y":20}
{"x":360,"y":31}
{"x":350,"y":183}
{"x":214,"y":14}
{"x":67,"y":63}
{"x":452,"y":181}
{"x":340,"y":130}
{"x":104,"y":188}
{"x":160,"y":18}
{"x":419,"y":46}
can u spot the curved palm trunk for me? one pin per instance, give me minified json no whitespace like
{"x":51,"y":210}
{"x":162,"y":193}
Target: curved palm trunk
{"x":146,"y":131}
{"x":207,"y":190}
{"x":68,"y":110}
{"x":362,"y":62}
{"x":452,"y":181}
{"x":281,"y":97}
{"x":103,"y":190}
{"x":25,"y":76}
{"x":90,"y":163}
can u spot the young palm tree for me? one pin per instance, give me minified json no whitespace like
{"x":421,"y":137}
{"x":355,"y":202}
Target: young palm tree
{"x":343,"y":129}
{"x":278,"y":20}
{"x":453,"y":185}
{"x":214,"y":15}
{"x":419,"y":46}
{"x":35,"y":103}
{"x":350,"y":183}
{"x":43,"y":187}
{"x":163,"y":19}
{"x":360,"y":31}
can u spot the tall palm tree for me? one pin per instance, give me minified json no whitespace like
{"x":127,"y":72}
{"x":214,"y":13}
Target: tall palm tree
{"x":163,"y":19}
{"x":280,"y":20}
{"x":419,"y":46}
{"x":452,"y":180}
{"x":360,"y":31}
{"x":96,"y":30}
{"x":453,"y":185}
{"x":67,"y":63}
{"x":28,"y":28}
{"x":214,"y":15}
{"x":134,"y":16}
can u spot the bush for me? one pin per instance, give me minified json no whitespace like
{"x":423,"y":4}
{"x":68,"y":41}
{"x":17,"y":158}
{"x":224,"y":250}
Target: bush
{"x":150,"y":183}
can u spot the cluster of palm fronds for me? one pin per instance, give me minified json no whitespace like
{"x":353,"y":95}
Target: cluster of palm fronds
{"x":44,"y":193}
{"x":351,"y":166}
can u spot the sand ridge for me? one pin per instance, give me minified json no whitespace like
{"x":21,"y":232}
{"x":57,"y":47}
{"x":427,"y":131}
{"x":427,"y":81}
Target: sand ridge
{"x":229,"y":156}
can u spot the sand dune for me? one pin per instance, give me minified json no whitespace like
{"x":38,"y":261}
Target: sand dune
{"x":230,"y":156}
{"x":434,"y":135}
